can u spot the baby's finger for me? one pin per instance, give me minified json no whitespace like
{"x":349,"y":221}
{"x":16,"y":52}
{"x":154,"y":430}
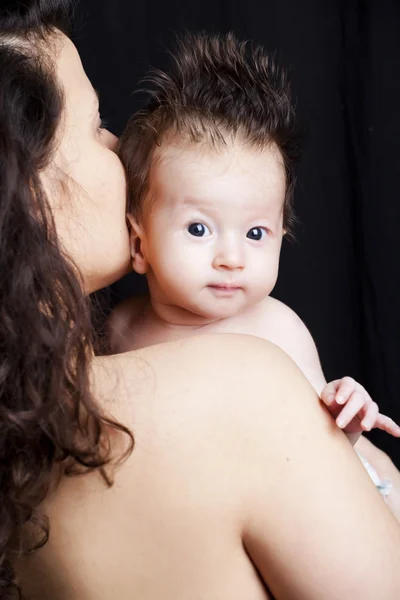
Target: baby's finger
{"x":352,"y":408}
{"x":387,"y":424}
{"x":329,"y":392}
{"x":371,"y":414}
{"x":347,"y":387}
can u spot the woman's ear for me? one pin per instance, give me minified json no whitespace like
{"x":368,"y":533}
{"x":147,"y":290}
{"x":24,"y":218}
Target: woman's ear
{"x":138,"y":254}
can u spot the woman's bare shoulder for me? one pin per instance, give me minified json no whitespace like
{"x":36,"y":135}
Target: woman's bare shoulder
{"x":224,"y":364}
{"x":220,"y":381}
{"x":203,"y":352}
{"x":233,"y":424}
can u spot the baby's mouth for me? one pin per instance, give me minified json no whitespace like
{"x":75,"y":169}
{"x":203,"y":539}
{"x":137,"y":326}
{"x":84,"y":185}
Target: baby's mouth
{"x":225,"y":288}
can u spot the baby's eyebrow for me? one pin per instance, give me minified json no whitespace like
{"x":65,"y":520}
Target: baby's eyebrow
{"x":198,"y":202}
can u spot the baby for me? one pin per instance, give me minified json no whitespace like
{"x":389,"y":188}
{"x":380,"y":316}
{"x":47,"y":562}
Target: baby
{"x":210,"y":170}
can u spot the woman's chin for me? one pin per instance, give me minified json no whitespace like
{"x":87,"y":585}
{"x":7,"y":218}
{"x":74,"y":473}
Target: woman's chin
{"x":100,"y":280}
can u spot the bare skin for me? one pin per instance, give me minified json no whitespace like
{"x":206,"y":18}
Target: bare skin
{"x":238,"y":477}
{"x":216,"y":484}
{"x":134,"y":325}
{"x":209,"y":242}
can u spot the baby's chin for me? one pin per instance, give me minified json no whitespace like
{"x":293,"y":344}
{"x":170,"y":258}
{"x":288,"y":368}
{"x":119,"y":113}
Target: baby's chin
{"x":220,"y":312}
{"x":213,"y":305}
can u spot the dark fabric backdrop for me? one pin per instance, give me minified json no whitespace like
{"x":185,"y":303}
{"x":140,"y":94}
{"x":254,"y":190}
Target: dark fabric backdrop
{"x":342,"y":276}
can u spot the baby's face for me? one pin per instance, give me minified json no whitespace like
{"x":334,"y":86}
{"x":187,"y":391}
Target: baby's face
{"x":213,"y":234}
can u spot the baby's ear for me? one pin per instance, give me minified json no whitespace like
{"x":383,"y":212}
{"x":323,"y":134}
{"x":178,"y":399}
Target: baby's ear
{"x":137,"y":235}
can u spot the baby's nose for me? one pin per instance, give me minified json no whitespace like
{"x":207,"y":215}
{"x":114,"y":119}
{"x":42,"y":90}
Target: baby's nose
{"x":229,"y":256}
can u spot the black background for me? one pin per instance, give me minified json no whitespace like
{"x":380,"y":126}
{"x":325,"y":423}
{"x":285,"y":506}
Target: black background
{"x":342,"y":276}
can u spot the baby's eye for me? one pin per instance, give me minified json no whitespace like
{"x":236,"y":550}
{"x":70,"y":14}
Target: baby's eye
{"x":257,"y":233}
{"x":198,"y":229}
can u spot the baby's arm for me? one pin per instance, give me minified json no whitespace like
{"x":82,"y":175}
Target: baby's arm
{"x":347,"y":401}
{"x":290,"y":333}
{"x":283,"y":327}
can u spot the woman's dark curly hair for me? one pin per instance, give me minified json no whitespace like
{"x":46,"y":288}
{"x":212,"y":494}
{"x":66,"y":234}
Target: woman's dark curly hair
{"x":49,"y":422}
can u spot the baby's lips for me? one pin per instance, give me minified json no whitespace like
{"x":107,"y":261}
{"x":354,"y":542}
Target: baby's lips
{"x":226,"y":286}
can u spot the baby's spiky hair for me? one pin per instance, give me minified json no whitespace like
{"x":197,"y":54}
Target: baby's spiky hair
{"x":216,"y":89}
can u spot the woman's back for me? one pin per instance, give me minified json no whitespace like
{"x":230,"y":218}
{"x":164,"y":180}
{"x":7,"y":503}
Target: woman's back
{"x":216,"y":496}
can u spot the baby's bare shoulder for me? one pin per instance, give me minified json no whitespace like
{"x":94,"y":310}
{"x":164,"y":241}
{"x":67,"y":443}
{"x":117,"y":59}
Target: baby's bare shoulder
{"x":131,"y":308}
{"x":272,"y":315}
{"x":273,"y":308}
{"x":123,"y":319}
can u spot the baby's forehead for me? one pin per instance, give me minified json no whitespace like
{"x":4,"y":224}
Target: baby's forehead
{"x":199,"y":174}
{"x":234,"y":154}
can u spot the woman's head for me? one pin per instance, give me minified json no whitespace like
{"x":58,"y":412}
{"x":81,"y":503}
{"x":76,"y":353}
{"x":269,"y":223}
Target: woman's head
{"x":62,"y":232}
{"x":67,"y":154}
{"x":84,"y":179}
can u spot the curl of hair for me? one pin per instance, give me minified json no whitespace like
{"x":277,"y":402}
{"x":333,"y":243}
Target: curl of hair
{"x":49,"y":421}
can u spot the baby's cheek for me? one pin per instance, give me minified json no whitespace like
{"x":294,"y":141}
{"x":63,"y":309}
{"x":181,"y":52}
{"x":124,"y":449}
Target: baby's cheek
{"x":169,"y":265}
{"x":265,"y":278}
{"x":271,"y":280}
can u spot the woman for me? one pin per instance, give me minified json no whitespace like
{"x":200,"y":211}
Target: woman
{"x":238,"y":477}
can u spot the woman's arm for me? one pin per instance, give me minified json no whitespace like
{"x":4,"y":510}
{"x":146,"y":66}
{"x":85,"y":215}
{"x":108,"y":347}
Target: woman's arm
{"x":314,"y":525}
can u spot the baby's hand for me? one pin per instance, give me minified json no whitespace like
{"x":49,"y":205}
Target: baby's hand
{"x":353,"y":408}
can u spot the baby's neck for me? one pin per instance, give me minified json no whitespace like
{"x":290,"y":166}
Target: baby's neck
{"x":176,"y":318}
